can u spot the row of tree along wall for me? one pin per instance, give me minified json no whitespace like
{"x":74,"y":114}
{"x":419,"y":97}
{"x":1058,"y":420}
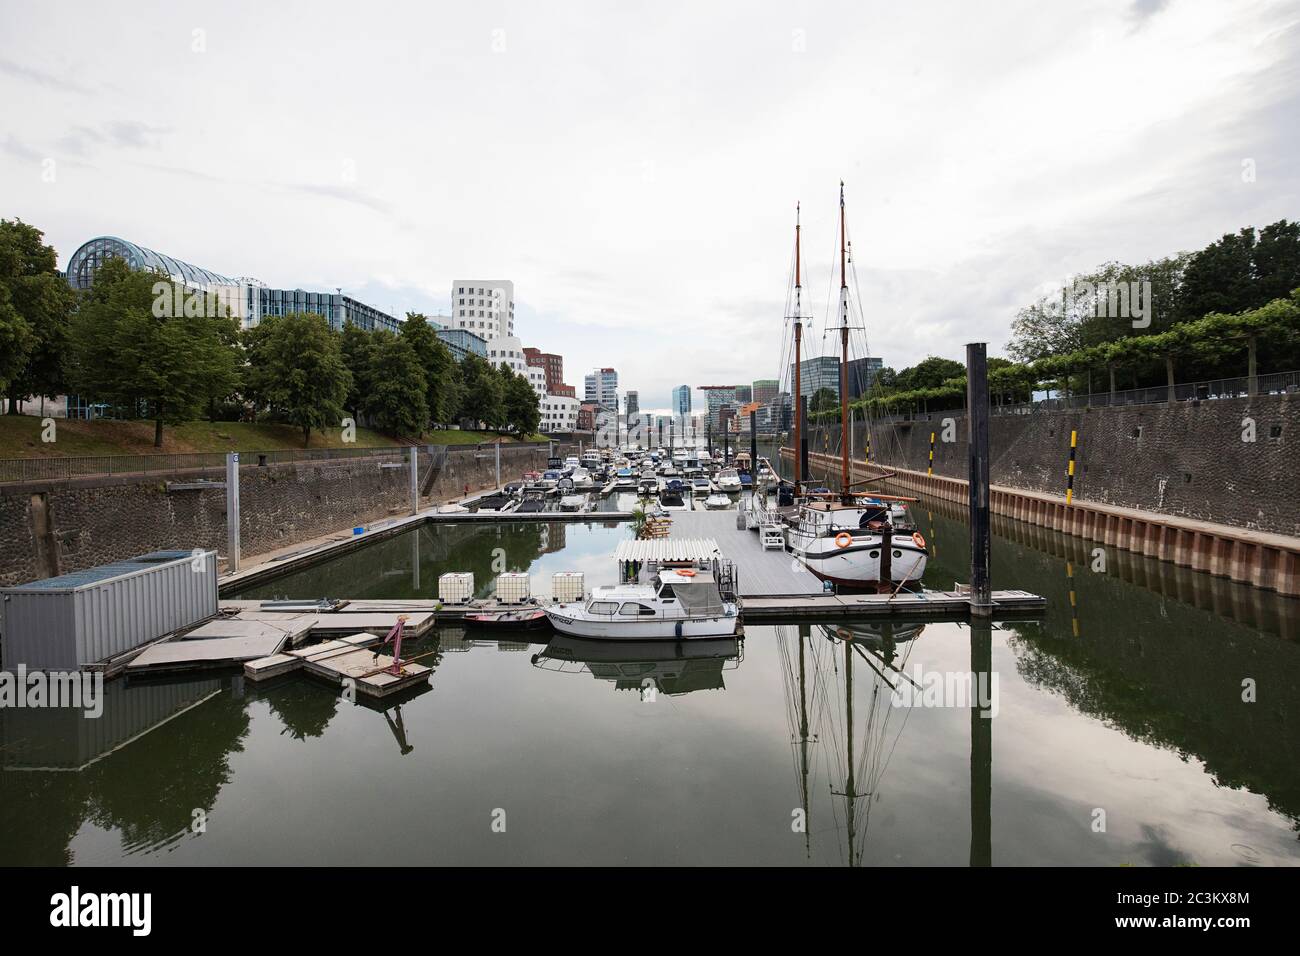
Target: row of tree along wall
{"x":52,"y":527}
{"x":1229,"y":461}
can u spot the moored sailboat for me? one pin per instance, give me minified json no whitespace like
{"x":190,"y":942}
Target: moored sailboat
{"x":850,"y":538}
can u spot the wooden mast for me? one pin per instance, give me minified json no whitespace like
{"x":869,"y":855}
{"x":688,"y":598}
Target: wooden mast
{"x":844,"y":361}
{"x":798,"y":341}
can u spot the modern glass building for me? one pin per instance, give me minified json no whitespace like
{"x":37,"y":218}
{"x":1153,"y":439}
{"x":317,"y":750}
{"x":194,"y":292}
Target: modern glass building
{"x":91,"y":255}
{"x":765,"y":389}
{"x":461,"y":342}
{"x":250,"y":299}
{"x":682,"y":400}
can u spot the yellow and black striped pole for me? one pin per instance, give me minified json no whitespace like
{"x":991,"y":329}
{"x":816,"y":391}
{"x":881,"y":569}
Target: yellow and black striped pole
{"x":1069,"y":474}
{"x":930,"y":469}
{"x":867,"y":455}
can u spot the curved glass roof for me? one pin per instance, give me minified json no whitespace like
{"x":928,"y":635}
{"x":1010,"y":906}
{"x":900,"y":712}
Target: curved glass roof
{"x":84,"y":262}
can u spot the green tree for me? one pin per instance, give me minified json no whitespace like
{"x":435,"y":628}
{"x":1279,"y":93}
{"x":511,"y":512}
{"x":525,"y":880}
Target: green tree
{"x":357,"y":350}
{"x":823,"y":400}
{"x":35,"y":312}
{"x":441,"y":374}
{"x":397,"y":397}
{"x":296,"y":369}
{"x":520,"y":401}
{"x":931,"y":373}
{"x":483,"y":401}
{"x":128,"y":349}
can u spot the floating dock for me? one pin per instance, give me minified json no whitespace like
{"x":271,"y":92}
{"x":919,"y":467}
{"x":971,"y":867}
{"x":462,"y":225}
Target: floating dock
{"x":348,"y":659}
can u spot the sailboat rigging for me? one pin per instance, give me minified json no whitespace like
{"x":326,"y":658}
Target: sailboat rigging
{"x":848,"y":538}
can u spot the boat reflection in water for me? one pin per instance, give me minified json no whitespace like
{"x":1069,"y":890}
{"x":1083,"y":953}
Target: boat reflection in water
{"x":824,"y":707}
{"x":651,"y":667}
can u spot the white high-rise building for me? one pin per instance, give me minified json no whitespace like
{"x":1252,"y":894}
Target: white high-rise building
{"x":509,"y":351}
{"x":601,"y":387}
{"x":484,"y":306}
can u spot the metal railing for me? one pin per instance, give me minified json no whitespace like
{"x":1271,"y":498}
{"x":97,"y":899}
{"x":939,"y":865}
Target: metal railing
{"x":1274,"y":383}
{"x":53,"y":469}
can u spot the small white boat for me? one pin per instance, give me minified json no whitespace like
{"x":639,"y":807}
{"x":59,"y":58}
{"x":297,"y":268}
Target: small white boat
{"x":680,"y":605}
{"x":700,"y":487}
{"x":573,"y":503}
{"x":582,"y":479}
{"x":647,"y":487}
{"x":729,"y":480}
{"x":717,"y":500}
{"x":452,"y":509}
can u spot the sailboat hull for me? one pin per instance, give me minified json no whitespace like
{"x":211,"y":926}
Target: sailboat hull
{"x":857,"y":562}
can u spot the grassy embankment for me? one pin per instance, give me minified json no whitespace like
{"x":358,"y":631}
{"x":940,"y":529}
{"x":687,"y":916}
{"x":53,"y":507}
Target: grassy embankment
{"x":20,"y":437}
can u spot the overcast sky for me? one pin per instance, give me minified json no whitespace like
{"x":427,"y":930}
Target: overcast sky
{"x":634,"y":167}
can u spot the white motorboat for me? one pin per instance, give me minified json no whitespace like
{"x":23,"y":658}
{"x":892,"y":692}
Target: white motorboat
{"x":582,"y":479}
{"x":680,"y":605}
{"x":673,"y":500}
{"x":452,"y":509}
{"x":700,"y":487}
{"x":573,"y":503}
{"x":647,"y":487}
{"x":624,"y":479}
{"x":549,"y":479}
{"x":717,"y":500}
{"x":496,"y":504}
{"x":729,"y":480}
{"x":571,"y":464}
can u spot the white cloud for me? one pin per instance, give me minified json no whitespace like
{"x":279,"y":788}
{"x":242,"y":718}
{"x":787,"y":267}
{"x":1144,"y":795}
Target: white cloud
{"x":634,"y":169}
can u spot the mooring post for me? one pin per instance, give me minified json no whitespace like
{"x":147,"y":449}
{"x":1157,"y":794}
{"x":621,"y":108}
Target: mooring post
{"x":415,"y":478}
{"x":753,"y":447}
{"x":232,"y":511}
{"x":1069,"y":470}
{"x":983,"y":707}
{"x":977,"y":440}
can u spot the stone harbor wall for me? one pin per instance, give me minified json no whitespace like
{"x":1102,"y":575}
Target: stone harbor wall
{"x":1190,"y":459}
{"x":52,"y":527}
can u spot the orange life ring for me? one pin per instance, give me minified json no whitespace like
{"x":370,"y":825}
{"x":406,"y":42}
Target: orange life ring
{"x":918,"y":540}
{"x":686,"y":573}
{"x":843,"y":539}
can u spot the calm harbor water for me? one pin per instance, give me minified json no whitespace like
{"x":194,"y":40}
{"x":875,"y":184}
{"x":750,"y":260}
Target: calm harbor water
{"x":1125,"y":701}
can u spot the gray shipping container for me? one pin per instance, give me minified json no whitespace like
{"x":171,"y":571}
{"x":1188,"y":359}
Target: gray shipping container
{"x":84,"y":617}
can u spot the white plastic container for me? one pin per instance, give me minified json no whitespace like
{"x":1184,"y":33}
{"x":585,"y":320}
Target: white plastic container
{"x":456,"y":587}
{"x":568,"y":586}
{"x":513,"y":587}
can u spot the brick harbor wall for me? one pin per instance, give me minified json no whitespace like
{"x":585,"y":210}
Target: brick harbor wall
{"x":1186,"y":459}
{"x":57,"y":526}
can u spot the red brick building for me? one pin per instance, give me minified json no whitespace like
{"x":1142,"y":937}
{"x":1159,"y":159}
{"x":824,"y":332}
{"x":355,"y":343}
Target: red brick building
{"x":553,"y":365}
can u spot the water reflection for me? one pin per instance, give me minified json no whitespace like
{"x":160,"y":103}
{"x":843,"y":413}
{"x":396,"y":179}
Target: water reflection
{"x":671,"y":668}
{"x":1124,"y":696}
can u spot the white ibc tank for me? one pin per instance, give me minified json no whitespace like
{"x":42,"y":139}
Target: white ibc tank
{"x":513,"y":587}
{"x":456,"y":587}
{"x":568,"y":586}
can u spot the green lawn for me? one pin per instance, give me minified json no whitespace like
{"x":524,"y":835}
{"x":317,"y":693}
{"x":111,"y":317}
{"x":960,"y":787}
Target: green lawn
{"x":20,"y":437}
